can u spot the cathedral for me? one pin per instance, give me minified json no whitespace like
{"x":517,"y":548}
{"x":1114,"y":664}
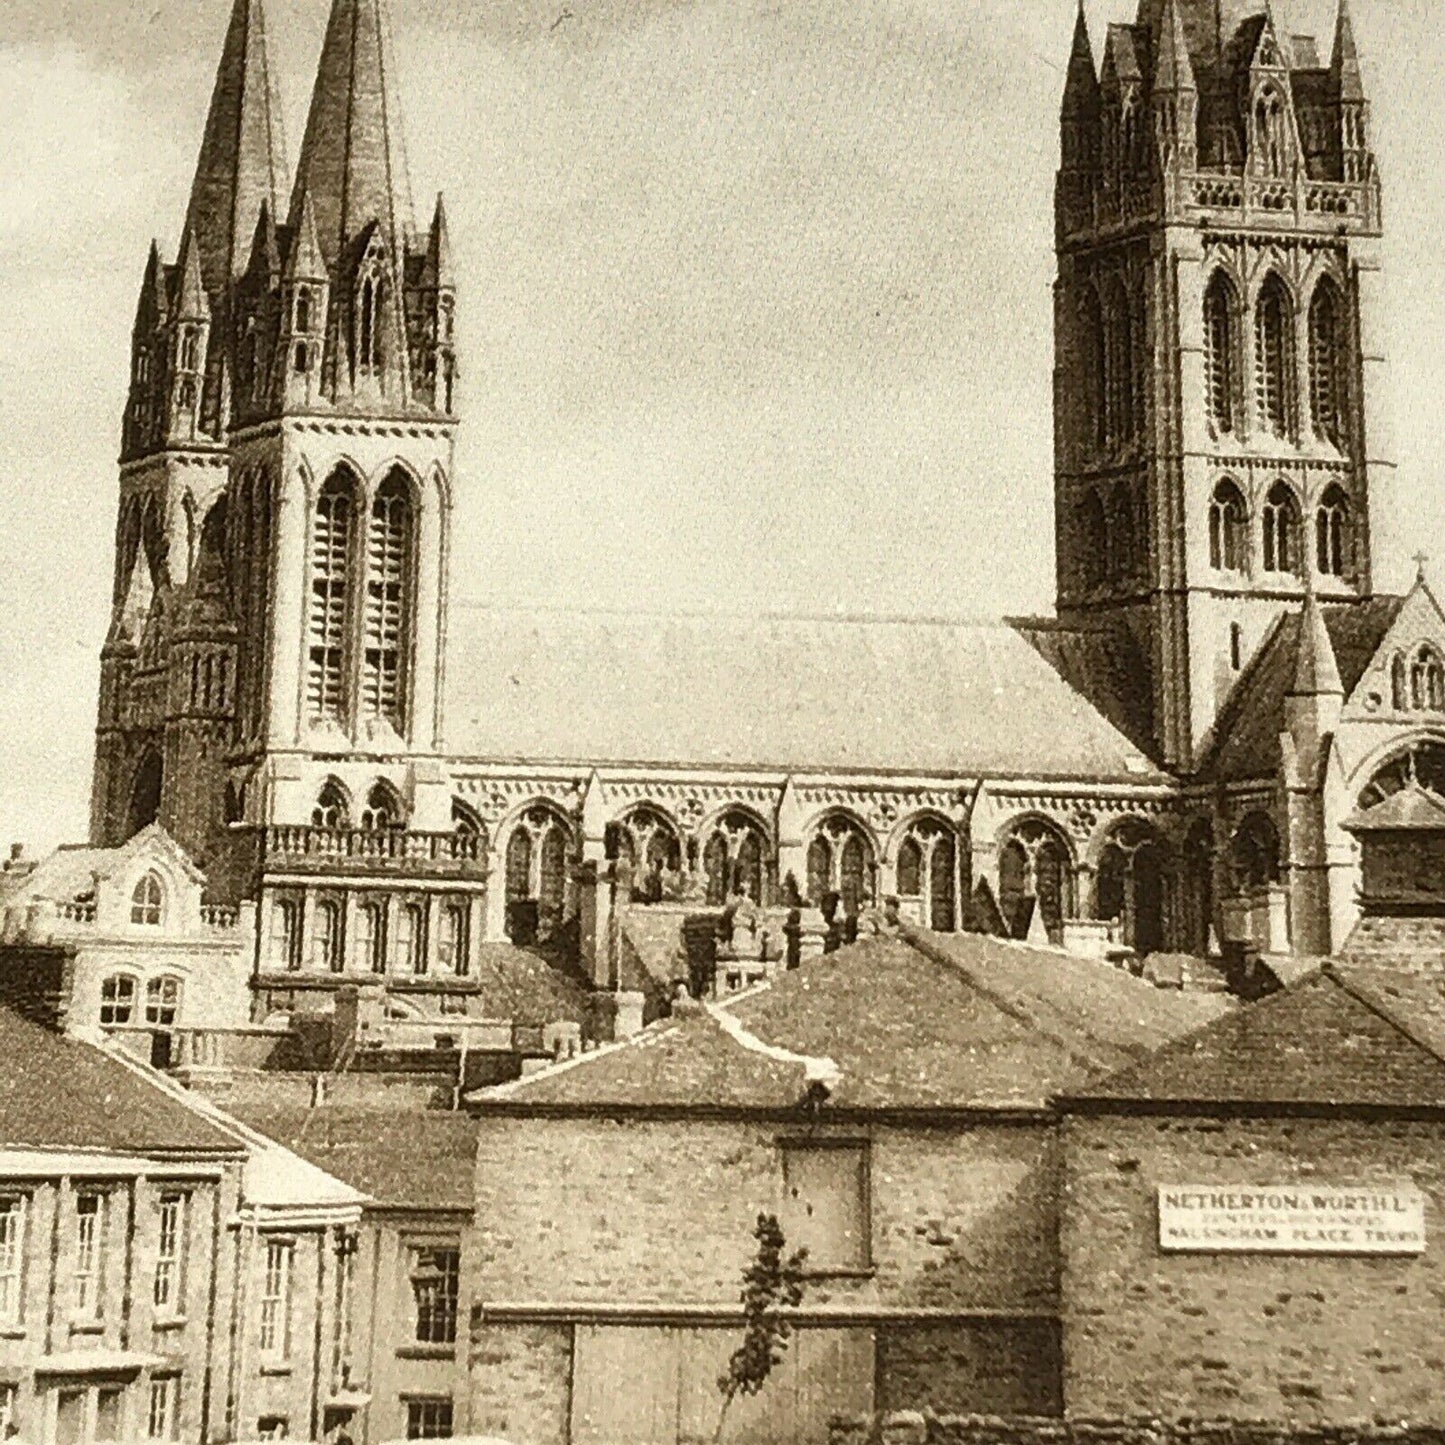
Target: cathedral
{"x":396,"y":782}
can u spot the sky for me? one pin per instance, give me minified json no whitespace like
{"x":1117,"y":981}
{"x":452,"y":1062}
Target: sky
{"x":755,"y":304}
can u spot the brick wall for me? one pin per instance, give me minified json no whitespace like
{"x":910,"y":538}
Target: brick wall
{"x":1308,"y":1339}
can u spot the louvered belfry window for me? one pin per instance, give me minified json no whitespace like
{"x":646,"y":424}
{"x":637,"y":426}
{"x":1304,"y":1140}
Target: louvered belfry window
{"x":388,"y":563}
{"x":330,"y":582}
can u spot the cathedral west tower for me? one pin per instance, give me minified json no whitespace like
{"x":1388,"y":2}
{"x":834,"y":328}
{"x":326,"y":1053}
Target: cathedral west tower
{"x":1220,"y":436}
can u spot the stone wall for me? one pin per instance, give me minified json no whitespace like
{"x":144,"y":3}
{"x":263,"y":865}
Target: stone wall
{"x":1308,"y":1339}
{"x":926,"y":1428}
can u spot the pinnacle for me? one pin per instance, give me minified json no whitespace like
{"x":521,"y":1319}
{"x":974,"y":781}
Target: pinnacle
{"x":191,"y":301}
{"x":1317,"y":673}
{"x":439,"y":251}
{"x":1174,"y":70}
{"x":352,"y":161}
{"x":306,"y":262}
{"x":1082,"y":87}
{"x":241,"y":165}
{"x":1346,"y":61}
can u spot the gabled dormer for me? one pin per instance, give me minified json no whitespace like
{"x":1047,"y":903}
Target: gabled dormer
{"x":1272,"y":140}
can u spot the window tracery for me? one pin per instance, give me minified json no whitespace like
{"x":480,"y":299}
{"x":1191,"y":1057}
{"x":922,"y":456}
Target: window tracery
{"x":1036,"y":869}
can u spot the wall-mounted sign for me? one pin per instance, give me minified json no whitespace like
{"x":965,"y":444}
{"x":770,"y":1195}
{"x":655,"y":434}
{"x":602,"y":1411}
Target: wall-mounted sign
{"x":1290,"y":1219}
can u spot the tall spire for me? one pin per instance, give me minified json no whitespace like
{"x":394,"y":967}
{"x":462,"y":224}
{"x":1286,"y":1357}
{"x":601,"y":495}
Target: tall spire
{"x":242,"y":163}
{"x":353,"y":164}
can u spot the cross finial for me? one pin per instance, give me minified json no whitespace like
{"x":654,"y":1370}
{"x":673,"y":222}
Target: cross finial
{"x":1421,"y":559}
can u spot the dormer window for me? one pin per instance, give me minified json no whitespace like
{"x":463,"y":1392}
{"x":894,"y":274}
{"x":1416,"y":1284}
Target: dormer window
{"x":147,"y":903}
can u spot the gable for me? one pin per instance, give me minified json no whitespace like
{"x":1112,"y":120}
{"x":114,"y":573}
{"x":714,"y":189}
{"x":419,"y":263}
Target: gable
{"x":1417,"y":622}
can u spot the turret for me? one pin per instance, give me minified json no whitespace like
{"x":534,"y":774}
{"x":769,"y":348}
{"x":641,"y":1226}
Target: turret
{"x":148,"y":358}
{"x":434,"y":325}
{"x":1316,"y":694}
{"x":1079,"y":118}
{"x":305,"y":301}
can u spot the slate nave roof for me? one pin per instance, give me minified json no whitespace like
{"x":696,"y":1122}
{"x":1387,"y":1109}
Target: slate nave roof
{"x":791,"y":694}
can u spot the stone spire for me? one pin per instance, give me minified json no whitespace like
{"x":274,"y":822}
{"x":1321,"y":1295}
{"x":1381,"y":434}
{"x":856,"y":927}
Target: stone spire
{"x":1345,"y":65}
{"x":1316,"y":672}
{"x":353,"y":163}
{"x":439,"y":274}
{"x":192,"y":303}
{"x":241,"y":166}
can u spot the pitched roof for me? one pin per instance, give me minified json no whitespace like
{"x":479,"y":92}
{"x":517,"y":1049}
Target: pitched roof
{"x":786,"y":693}
{"x":61,"y":1093}
{"x":922,"y":1022}
{"x":411,"y":1159}
{"x":528,"y":987}
{"x":70,"y":872}
{"x":1246,"y":741}
{"x":242,"y":161}
{"x":1339,"y":1038}
{"x":353,"y":163}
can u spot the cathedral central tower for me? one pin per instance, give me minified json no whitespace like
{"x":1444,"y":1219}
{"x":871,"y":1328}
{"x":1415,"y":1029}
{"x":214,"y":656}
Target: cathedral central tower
{"x":1220,"y":446}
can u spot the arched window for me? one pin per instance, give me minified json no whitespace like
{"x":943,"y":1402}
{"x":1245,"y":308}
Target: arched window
{"x":1421,"y":766}
{"x":1236,"y":646}
{"x":537,"y":857}
{"x":1327,"y":362}
{"x":1427,"y":681}
{"x":303,"y":310}
{"x":408,"y":939}
{"x":370,"y":928}
{"x":649,"y":844}
{"x":1035,"y":870}
{"x":331,"y":569}
{"x":383,"y":809}
{"x":1130,"y":887}
{"x":1221,"y":351}
{"x":733,"y":859}
{"x":148,"y":902}
{"x":1119,"y":363}
{"x":163,"y":1001}
{"x":927,"y":871}
{"x":1271,"y":124}
{"x":1399,"y":684}
{"x":1332,"y":533}
{"x":1094,"y":539}
{"x":1274,"y":358}
{"x":840,"y":862}
{"x":470,"y":830}
{"x":388,"y":603}
{"x":1254,"y":852}
{"x":333,"y":807}
{"x":326,"y":942}
{"x":1228,"y":529}
{"x":286,"y":934}
{"x":370,"y":312}
{"x":117,"y":1000}
{"x":1281,"y":531}
{"x":452,"y":939}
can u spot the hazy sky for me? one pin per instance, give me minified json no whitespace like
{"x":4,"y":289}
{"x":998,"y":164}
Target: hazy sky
{"x":755,"y":300}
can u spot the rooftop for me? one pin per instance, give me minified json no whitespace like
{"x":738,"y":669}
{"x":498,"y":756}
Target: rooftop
{"x":61,"y":1093}
{"x":412,"y":1159}
{"x":796,"y":694}
{"x":915,"y":1022}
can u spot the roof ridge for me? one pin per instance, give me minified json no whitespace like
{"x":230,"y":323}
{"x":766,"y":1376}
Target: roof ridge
{"x":1001,"y":1000}
{"x":1379,"y":1007}
{"x":721,"y":614}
